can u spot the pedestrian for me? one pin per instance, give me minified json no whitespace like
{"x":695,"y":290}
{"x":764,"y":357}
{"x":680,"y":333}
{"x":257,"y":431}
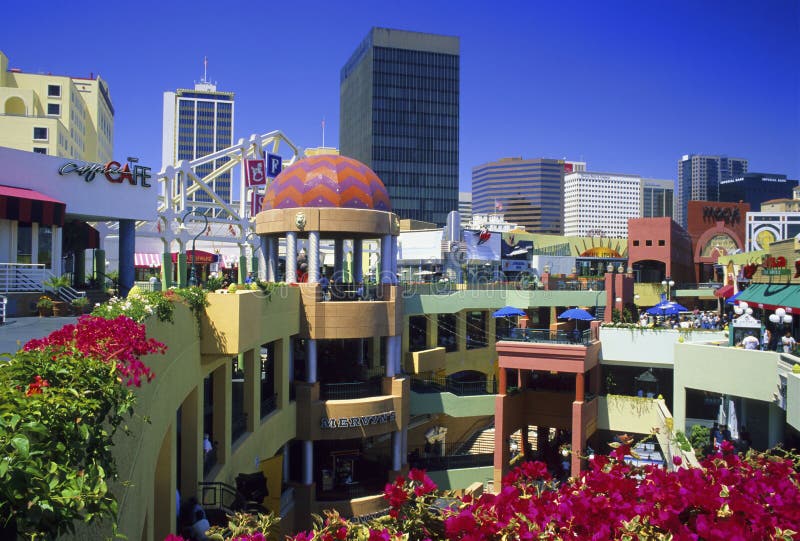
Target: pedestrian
{"x":249,"y":279}
{"x":765,"y":339}
{"x":326,"y":284}
{"x":750,"y":341}
{"x":788,"y":342}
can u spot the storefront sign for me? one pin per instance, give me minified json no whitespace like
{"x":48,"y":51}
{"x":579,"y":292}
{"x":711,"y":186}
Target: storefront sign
{"x":113,"y":171}
{"x":776,"y":272}
{"x":362,"y":420}
{"x":722,"y":214}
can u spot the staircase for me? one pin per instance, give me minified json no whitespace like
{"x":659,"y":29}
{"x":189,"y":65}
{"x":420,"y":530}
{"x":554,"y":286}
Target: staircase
{"x":483,"y":441}
{"x":599,"y":313}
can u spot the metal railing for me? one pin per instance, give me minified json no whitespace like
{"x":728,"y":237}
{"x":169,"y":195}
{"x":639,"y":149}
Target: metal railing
{"x":268,"y":404}
{"x":350,"y":390}
{"x":354,"y":292}
{"x":548,"y":336}
{"x":22,"y":277}
{"x":459,"y":454}
{"x":450,"y":385}
{"x":576,"y":285}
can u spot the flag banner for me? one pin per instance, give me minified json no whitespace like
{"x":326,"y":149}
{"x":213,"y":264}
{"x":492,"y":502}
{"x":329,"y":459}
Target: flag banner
{"x":256,"y":202}
{"x":256,"y":173}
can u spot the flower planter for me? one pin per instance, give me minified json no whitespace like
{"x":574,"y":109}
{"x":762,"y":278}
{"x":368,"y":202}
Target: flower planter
{"x":60,"y":308}
{"x":45,"y":312}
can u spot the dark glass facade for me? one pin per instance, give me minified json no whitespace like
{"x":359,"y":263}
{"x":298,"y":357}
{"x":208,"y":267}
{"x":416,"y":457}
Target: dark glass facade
{"x":699,"y":179}
{"x":527,"y":192}
{"x":756,"y":188}
{"x":400,"y":115}
{"x":656,"y":201}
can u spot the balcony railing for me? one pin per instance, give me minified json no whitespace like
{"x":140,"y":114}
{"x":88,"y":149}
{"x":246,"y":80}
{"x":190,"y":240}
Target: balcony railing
{"x":459,"y":454}
{"x":350,"y":390}
{"x":457,"y":387}
{"x":550,"y":337}
{"x":353,"y":292}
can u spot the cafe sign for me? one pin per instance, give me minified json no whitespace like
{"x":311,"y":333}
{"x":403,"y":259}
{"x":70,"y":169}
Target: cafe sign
{"x":359,"y":421}
{"x":113,"y":171}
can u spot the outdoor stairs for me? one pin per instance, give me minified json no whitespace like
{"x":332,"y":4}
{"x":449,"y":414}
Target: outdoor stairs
{"x":483,"y":441}
{"x":600,"y":313}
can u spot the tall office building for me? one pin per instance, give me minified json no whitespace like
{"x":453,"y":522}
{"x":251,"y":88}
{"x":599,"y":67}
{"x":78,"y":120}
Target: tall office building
{"x":399,"y":107}
{"x":657,"y":198}
{"x":599,"y":204}
{"x":197,"y":123}
{"x":71,"y":117}
{"x":465,"y":207}
{"x":699,"y":178}
{"x":528,"y":192}
{"x":756,"y":188}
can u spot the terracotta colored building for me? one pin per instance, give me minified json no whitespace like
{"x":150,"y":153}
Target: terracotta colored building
{"x":659,"y":248}
{"x":716,"y":228}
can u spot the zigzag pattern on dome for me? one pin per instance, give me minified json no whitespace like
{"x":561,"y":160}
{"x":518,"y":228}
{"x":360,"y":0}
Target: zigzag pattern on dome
{"x":327,"y":181}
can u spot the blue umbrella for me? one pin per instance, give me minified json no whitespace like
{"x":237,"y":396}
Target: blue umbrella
{"x":576,"y":313}
{"x":668,"y":308}
{"x":508,"y":311}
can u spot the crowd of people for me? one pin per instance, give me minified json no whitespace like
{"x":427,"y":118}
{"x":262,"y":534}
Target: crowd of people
{"x":698,"y":319}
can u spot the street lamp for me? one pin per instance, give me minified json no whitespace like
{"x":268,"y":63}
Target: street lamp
{"x":780,"y":319}
{"x":193,"y":275}
{"x":667,"y":284}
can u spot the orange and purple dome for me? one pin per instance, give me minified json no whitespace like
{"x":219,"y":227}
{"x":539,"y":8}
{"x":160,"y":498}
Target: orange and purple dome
{"x":327,"y":181}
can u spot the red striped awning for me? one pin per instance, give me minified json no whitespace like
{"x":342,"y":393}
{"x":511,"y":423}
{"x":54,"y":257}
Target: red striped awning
{"x":27,"y":206}
{"x":146,"y":261}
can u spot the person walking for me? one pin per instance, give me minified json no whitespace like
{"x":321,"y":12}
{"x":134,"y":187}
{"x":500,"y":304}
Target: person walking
{"x":788,"y":342}
{"x":766,"y":337}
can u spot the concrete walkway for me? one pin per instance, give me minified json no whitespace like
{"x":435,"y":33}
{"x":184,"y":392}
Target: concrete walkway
{"x":16,"y":331}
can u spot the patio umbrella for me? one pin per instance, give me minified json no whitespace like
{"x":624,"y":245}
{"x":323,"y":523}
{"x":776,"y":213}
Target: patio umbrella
{"x":508,"y":311}
{"x":669,"y":308}
{"x":576,"y":313}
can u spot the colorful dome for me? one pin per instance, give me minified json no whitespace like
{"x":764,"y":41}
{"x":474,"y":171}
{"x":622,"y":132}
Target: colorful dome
{"x":327,"y":181}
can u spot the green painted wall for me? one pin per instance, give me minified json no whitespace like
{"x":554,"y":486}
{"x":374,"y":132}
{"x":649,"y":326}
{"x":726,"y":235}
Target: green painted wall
{"x":455,"y":406}
{"x":642,"y":346}
{"x":461,"y":479}
{"x":449,"y":303}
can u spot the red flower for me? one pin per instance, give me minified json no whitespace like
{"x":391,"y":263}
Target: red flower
{"x":36,"y":386}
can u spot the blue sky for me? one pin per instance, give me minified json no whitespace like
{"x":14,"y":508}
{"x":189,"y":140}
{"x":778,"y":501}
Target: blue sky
{"x":628,"y":86}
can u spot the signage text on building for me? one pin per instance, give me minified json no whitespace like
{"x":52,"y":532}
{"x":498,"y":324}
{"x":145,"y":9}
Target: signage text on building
{"x":113,"y":171}
{"x":722,"y":214}
{"x":361,"y":420}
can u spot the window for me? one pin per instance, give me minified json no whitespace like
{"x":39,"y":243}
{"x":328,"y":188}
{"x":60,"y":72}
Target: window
{"x":40,"y":134}
{"x":648,"y":243}
{"x":661,"y":243}
{"x":53,"y":109}
{"x":636,"y":243}
{"x":54,"y":91}
{"x":40,"y":150}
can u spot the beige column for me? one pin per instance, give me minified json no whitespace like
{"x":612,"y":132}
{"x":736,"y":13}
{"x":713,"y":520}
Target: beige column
{"x":221,"y":378}
{"x":252,"y":388}
{"x":164,"y":481}
{"x":283,"y":374}
{"x":461,"y":330}
{"x":191,"y":443}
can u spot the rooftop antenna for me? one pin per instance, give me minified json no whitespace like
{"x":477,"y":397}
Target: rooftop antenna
{"x":205,"y":69}
{"x":323,"y":132}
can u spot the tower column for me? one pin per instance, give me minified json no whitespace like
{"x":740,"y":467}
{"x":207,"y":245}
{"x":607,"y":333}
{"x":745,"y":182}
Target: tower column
{"x":311,"y":354}
{"x":313,"y":257}
{"x":386,"y":259}
{"x":271,"y":257}
{"x":338,"y":260}
{"x":291,"y":257}
{"x":358,"y":260}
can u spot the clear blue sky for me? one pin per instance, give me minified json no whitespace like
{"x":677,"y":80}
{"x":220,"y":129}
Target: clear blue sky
{"x":628,"y":86}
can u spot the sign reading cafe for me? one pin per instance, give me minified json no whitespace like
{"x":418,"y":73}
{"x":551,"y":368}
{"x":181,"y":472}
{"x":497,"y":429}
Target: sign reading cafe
{"x":113,"y":171}
{"x":361,"y":420}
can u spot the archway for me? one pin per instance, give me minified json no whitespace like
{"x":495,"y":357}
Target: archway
{"x":14,"y":106}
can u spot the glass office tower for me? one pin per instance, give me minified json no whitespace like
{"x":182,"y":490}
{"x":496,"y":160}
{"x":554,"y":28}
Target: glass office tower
{"x":699,"y":178}
{"x":399,"y":107}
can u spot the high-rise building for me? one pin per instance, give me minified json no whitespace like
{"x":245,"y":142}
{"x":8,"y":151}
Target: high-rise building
{"x":699,"y":178}
{"x":197,"y":123}
{"x":465,"y":207}
{"x":71,"y":117}
{"x":756,"y":188}
{"x":600,"y":204}
{"x":399,"y":107}
{"x":527,"y":192}
{"x":657,"y":198}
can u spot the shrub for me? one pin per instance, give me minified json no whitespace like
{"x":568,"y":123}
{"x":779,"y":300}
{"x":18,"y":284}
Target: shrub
{"x":700,"y":436}
{"x":44,"y":303}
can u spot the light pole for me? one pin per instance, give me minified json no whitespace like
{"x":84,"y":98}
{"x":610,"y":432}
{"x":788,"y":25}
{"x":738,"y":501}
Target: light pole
{"x":667,"y":284}
{"x":193,"y":275}
{"x":780,"y":320}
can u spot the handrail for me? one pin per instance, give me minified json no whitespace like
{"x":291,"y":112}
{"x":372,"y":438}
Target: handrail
{"x":549,"y":336}
{"x":22,"y":277}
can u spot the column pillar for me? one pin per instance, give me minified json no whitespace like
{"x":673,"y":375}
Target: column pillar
{"x":182,"y":269}
{"x":311,"y":355}
{"x":397,"y":447}
{"x":338,"y":260}
{"x":502,"y":386}
{"x":386,"y":259}
{"x":313,"y":257}
{"x":242,"y":266}
{"x":100,"y":266}
{"x":390,"y":361}
{"x":308,"y":462}
{"x":223,"y":403}
{"x":291,"y":257}
{"x":191,"y":442}
{"x":80,"y":267}
{"x":252,"y":388}
{"x":579,"y":387}
{"x":358,"y":260}
{"x":127,"y":246}
{"x":271,"y":258}
{"x":166,"y":269}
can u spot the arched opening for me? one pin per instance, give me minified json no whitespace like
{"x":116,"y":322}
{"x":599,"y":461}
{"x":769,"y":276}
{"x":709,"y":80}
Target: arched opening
{"x":14,"y":106}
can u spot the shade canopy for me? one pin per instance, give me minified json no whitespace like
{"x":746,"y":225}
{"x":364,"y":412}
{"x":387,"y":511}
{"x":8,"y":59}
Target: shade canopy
{"x":734,"y":299}
{"x":508,"y":311}
{"x":669,"y":308}
{"x":576,"y":313}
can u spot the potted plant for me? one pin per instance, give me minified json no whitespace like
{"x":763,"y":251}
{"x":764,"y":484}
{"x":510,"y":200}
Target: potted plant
{"x":79,"y":305}
{"x":45,"y":306}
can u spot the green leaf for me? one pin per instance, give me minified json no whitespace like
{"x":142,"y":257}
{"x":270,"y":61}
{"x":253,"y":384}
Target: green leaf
{"x":22,"y":445}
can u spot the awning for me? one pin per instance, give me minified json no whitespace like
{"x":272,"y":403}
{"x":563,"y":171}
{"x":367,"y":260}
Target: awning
{"x":27,"y":206}
{"x":147,"y":261}
{"x":724,"y":291}
{"x":772,"y":296}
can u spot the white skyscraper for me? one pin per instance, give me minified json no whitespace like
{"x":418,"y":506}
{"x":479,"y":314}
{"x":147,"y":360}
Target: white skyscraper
{"x":599,"y":204}
{"x":197,"y":123}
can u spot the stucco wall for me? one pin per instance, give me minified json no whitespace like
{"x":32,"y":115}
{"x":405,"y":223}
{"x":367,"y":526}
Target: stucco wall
{"x":648,"y":346}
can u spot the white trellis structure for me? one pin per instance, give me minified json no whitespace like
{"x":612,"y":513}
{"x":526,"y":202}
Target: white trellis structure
{"x":227,"y":224}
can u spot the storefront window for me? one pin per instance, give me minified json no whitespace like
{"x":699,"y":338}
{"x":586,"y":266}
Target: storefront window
{"x":24,"y":243}
{"x":45,"y":245}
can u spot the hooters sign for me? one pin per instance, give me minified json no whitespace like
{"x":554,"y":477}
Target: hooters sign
{"x":256,"y":172}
